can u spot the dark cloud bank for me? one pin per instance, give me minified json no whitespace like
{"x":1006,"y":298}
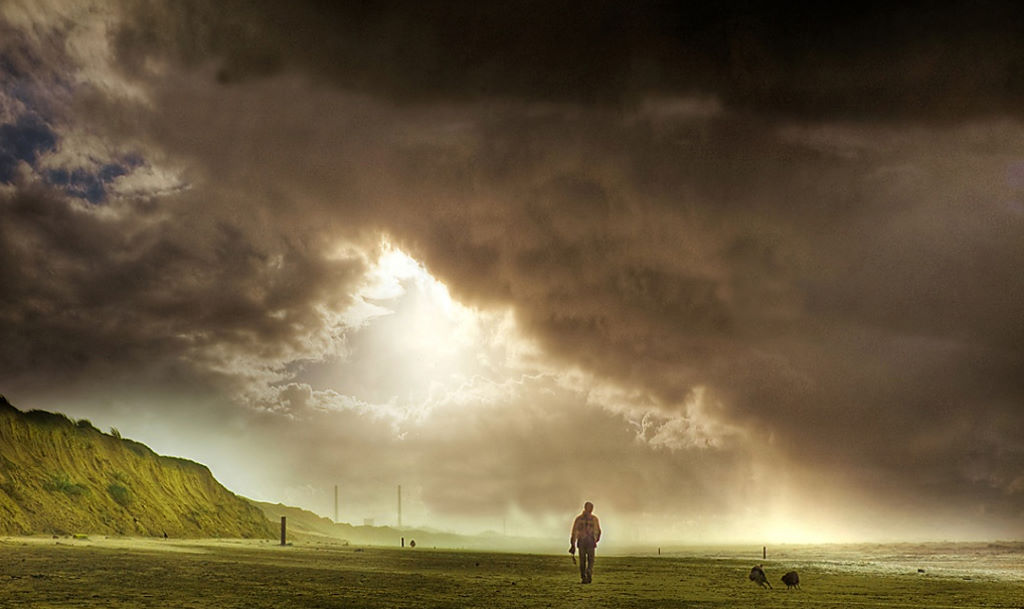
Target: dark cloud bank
{"x":816,"y":216}
{"x":944,"y":60}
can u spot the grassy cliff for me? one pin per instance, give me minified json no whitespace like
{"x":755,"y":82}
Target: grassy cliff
{"x":64,"y":477}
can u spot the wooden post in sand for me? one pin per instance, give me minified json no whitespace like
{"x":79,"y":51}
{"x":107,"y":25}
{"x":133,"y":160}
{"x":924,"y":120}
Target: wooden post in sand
{"x":284,"y":527}
{"x":764,"y":552}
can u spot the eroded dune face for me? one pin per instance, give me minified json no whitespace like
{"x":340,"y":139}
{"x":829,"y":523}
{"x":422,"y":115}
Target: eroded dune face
{"x":63,"y":477}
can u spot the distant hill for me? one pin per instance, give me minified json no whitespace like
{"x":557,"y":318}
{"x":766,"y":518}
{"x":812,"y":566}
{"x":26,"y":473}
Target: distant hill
{"x":66,"y":477}
{"x":306,"y":525}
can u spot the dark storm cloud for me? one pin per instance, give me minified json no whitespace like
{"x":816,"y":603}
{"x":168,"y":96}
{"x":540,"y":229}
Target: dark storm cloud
{"x":808,"y":294}
{"x":785,"y":211}
{"x":918,"y":61}
{"x":138,"y":297}
{"x":830,"y":288}
{"x":860,"y":310}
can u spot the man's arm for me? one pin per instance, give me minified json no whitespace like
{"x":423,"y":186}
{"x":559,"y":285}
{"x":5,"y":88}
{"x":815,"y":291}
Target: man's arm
{"x":597,"y":530}
{"x":572,"y":536}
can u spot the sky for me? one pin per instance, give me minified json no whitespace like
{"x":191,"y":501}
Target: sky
{"x":734,"y":272}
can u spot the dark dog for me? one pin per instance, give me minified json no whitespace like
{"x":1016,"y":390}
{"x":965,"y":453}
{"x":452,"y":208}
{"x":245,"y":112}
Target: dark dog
{"x":757,"y":576}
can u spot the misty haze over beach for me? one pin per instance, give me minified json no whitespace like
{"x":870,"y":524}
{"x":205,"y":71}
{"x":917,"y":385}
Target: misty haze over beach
{"x":735,"y":272}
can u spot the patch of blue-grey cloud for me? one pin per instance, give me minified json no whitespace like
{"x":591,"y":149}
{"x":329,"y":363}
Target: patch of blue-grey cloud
{"x":29,"y":139}
{"x":93,"y":185}
{"x":23,"y":141}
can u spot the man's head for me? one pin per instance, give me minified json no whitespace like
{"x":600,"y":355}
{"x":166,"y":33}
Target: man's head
{"x":588,"y":507}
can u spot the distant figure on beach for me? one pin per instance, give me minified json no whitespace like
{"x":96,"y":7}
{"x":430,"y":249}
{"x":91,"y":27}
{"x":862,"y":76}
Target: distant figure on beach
{"x":758,"y":577}
{"x":792,"y":580}
{"x":586,"y":532}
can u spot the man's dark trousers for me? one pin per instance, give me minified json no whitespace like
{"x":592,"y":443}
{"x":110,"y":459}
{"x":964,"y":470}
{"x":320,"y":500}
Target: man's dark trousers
{"x":586,"y":548}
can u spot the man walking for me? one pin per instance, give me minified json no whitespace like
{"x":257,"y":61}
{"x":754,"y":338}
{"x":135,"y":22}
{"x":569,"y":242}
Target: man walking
{"x":586,"y":532}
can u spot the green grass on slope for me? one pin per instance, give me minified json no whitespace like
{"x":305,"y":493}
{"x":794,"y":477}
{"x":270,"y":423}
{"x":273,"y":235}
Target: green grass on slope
{"x":264,"y":576}
{"x":60,"y":476}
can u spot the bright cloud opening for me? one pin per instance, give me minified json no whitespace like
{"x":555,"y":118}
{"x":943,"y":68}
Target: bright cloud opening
{"x":410,"y":346}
